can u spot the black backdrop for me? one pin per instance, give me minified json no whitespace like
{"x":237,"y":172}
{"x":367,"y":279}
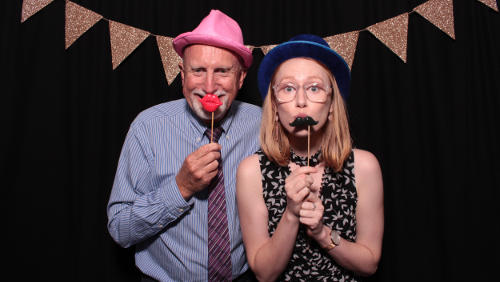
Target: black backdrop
{"x":432,"y":122}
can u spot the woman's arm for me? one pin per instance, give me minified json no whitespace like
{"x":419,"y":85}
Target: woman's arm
{"x":363,"y":255}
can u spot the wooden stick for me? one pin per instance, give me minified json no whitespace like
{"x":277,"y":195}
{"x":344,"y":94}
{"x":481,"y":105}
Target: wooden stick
{"x":212,"y":132}
{"x":308,"y":142}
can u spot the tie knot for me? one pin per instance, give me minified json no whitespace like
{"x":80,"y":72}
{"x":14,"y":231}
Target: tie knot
{"x":216,"y":134}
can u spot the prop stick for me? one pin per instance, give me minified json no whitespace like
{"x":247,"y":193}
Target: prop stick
{"x":308,"y":142}
{"x":302,"y":121}
{"x":210,"y":103}
{"x":212,"y":130}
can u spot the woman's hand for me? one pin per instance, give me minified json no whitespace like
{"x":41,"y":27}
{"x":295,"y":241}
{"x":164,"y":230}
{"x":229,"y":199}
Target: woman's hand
{"x":298,"y":187}
{"x":311,"y":214}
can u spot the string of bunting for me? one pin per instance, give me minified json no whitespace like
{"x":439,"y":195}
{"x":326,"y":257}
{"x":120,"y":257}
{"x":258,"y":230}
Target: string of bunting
{"x":124,"y":39}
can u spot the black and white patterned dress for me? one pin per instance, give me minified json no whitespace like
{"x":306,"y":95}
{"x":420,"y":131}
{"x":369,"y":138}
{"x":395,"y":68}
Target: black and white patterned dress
{"x":309,"y":262}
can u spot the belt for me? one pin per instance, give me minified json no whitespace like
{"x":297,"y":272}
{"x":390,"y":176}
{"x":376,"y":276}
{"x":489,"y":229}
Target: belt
{"x":247,"y":276}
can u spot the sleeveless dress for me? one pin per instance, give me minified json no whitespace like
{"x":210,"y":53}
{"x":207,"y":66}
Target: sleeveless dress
{"x":309,"y":262}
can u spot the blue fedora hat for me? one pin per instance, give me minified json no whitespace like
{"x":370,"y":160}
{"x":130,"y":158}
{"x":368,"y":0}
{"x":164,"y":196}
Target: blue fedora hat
{"x":309,"y":46}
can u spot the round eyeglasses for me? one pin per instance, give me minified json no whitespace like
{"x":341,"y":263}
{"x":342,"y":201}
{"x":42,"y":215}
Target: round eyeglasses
{"x":315,"y":92}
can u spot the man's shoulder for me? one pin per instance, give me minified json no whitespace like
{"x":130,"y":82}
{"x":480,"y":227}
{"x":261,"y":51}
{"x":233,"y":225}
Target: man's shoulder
{"x":247,"y":111}
{"x":247,"y":106}
{"x":161,"y":111}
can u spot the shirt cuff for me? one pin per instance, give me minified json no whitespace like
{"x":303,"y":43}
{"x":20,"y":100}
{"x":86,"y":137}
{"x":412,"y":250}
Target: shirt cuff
{"x":177,"y":205}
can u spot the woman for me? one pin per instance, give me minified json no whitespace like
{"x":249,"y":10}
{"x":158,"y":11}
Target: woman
{"x":322,"y":221}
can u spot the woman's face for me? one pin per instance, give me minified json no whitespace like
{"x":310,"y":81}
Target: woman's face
{"x":301,"y":75}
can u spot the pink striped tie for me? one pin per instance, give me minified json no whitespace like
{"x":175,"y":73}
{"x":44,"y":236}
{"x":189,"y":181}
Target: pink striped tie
{"x":219,"y":255}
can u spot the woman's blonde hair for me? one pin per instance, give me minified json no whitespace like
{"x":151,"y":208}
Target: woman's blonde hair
{"x":336,"y":143}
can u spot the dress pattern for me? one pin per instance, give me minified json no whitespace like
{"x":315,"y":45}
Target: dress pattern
{"x":309,"y":262}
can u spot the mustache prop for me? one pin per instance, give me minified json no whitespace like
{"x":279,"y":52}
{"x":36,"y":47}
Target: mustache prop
{"x":300,"y":121}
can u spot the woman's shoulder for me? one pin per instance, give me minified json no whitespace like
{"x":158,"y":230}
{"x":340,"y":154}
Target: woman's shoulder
{"x":248,"y":175}
{"x":250,"y":161}
{"x":365,"y":161}
{"x":249,"y":165}
{"x":366,"y":167}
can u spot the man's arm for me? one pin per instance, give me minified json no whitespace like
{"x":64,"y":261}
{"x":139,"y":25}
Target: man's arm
{"x":136,"y":209}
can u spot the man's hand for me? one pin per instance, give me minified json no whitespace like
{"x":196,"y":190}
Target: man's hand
{"x":198,"y":169}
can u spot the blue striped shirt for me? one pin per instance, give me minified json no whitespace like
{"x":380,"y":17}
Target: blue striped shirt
{"x":146,"y":209}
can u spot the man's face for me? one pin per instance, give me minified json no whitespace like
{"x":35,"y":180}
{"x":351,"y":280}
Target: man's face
{"x":207,"y":69}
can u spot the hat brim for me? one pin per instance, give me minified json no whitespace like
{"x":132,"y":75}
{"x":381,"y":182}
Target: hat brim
{"x":296,"y":49}
{"x":189,"y":38}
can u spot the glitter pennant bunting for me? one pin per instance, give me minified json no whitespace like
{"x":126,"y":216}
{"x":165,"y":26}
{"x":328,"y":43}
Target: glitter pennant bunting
{"x":490,"y":3}
{"x":78,"y":21}
{"x":440,"y":14}
{"x":124,"y":40}
{"x":31,"y":7}
{"x":169,"y":57}
{"x":267,"y":48}
{"x":345,"y":45}
{"x":393,"y":33}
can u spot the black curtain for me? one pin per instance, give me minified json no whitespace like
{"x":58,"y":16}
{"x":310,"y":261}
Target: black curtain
{"x":432,"y":122}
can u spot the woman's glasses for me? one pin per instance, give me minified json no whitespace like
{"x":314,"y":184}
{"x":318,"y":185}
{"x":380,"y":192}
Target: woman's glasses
{"x":315,"y":91}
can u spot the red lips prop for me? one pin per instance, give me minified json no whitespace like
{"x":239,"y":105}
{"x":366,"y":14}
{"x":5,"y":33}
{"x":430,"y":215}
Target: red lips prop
{"x":210,"y":102}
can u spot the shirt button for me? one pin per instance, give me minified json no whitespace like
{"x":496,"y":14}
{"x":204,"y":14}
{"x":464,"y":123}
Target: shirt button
{"x":181,"y":209}
{"x":198,"y":139}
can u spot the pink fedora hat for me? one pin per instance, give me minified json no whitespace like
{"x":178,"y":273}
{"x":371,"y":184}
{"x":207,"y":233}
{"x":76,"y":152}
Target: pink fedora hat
{"x":219,"y":30}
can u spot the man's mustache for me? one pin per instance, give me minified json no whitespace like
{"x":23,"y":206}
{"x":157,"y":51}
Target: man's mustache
{"x":200,"y":92}
{"x":300,"y":121}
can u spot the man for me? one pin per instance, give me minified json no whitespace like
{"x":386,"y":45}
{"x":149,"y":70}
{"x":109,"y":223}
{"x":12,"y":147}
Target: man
{"x":168,"y":167}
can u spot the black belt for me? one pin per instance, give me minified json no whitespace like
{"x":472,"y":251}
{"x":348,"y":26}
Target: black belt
{"x":247,"y":276}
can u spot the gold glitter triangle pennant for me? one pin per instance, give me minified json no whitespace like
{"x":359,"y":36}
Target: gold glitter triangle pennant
{"x":267,"y":48}
{"x":78,"y":21}
{"x":169,"y":57}
{"x":393,"y":33}
{"x":440,"y":14}
{"x":490,"y":3}
{"x":31,"y":7}
{"x":250,"y":47}
{"x":124,"y":40}
{"x":344,"y":44}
